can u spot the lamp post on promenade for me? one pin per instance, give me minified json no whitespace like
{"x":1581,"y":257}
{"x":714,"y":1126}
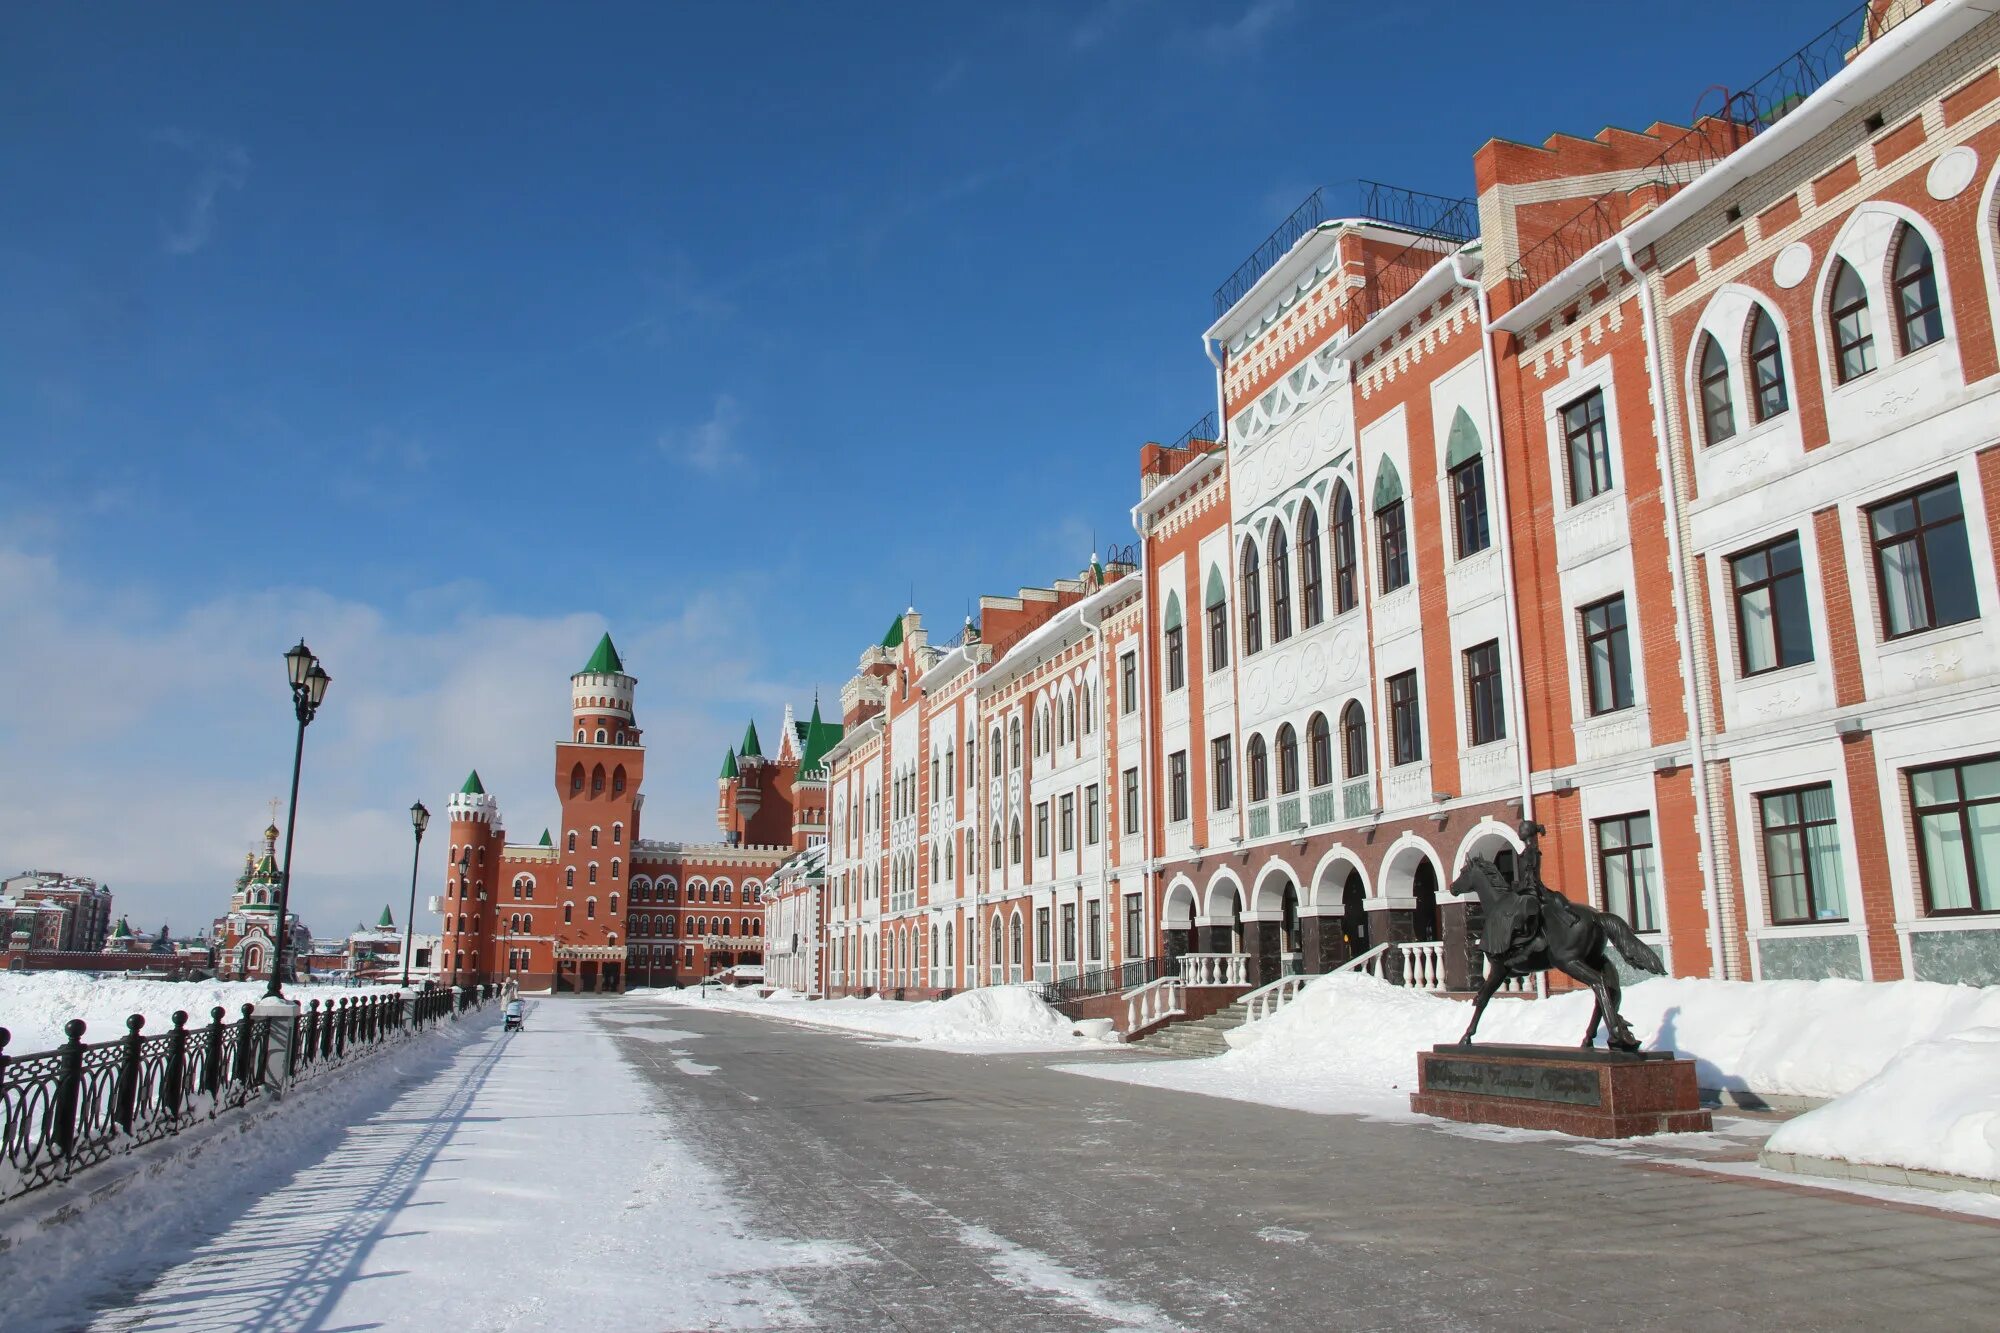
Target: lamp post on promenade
{"x":309,"y":682}
{"x":420,"y":819}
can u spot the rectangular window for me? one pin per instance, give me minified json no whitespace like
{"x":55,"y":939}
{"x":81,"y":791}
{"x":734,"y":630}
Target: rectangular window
{"x":1392,"y":536}
{"x":1091,"y":817}
{"x":1405,"y":728}
{"x":1923,"y":564}
{"x":1222,"y":777}
{"x":1468,"y":502}
{"x":1177,"y":786}
{"x":1772,"y":625}
{"x":1176,"y":660}
{"x":1130,"y":803}
{"x":1957,"y":808}
{"x":1625,"y":869}
{"x":1607,"y":656}
{"x":1042,"y":829}
{"x":1484,"y":707}
{"x":1802,"y":856}
{"x":1218,"y":636}
{"x":1066,"y":809}
{"x":1134,"y":931}
{"x":1128,"y":682}
{"x":1069,"y":932}
{"x":1588,"y":445}
{"x":1093,"y":916}
{"x":1042,"y":954}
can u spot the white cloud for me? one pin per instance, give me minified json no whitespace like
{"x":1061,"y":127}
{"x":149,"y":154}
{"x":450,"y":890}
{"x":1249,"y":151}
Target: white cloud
{"x":1243,"y":35}
{"x":144,"y":739}
{"x":219,"y":166}
{"x":712,"y":446}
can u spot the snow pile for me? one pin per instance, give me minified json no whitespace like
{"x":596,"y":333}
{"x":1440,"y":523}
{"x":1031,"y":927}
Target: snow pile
{"x":35,"y":1006}
{"x":990,"y":1018}
{"x":1935,"y":1107}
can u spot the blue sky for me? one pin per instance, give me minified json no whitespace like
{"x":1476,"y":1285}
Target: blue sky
{"x":446,"y":337}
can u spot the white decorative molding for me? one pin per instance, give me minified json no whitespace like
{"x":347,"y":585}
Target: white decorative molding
{"x":1954,"y":169}
{"x":1589,"y":531}
{"x":1348,"y":653}
{"x":1476,"y":579}
{"x":1397,"y":614}
{"x":1486,"y":768}
{"x":1793,"y":265}
{"x":1406,"y":785}
{"x":1614,"y":734}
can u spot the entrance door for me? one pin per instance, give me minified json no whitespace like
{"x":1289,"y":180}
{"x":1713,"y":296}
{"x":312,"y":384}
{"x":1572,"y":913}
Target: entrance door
{"x":1354,"y":916}
{"x":1424,"y":920}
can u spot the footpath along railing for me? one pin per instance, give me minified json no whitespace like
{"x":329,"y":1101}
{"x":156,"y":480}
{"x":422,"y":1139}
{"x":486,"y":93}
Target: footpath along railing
{"x":69,"y":1109}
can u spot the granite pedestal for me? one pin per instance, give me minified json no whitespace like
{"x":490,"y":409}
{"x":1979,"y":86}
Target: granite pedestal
{"x":1594,"y":1093}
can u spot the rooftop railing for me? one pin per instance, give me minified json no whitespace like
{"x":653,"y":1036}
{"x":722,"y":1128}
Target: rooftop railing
{"x":1392,"y":205}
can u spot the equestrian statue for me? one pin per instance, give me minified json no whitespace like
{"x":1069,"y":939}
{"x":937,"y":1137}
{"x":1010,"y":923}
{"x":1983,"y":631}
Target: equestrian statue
{"x":1531,"y":928}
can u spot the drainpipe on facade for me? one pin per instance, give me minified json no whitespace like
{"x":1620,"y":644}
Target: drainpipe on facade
{"x":1509,"y":594}
{"x":1718,"y":928}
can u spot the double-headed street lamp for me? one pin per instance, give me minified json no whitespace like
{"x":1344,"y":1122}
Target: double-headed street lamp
{"x":420,"y":819}
{"x":309,"y":682}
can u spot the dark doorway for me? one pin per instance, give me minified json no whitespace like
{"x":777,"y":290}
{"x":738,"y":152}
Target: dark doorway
{"x":1424,"y":888}
{"x":1354,"y":916}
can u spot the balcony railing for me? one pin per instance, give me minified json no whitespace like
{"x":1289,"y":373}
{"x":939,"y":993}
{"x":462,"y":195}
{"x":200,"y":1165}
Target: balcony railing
{"x":1321,"y":806}
{"x":1215,"y":969}
{"x":1288,"y":815}
{"x":1260,"y":821}
{"x":1357,"y":799}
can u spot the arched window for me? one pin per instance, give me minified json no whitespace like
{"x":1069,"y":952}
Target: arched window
{"x":1069,"y":723}
{"x":1718,"y":412}
{"x":1281,"y":584}
{"x":614,"y":870}
{"x":590,"y":909}
{"x":579,"y":735}
{"x":993,"y":754}
{"x":673,"y":894}
{"x":600,"y":735}
{"x":1312,"y":602}
{"x":1014,"y":741}
{"x":1344,"y":585}
{"x":1392,"y":533}
{"x":569,"y":878}
{"x":576,"y":781}
{"x":997,"y":852}
{"x":997,"y":951}
{"x":569,"y":913}
{"x":1914,"y":293}
{"x":1353,"y":741}
{"x":572,"y":840}
{"x":1016,"y":943}
{"x":595,"y":833}
{"x":1767,"y":368}
{"x":1217,"y":604}
{"x":621,"y":736}
{"x":1174,"y":643}
{"x":1014,"y":840}
{"x":618,"y":780}
{"x":1256,"y":756}
{"x":614,"y":904}
{"x":1853,"y":335}
{"x":590,"y":873}
{"x":1319,"y":750}
{"x":514,"y":924}
{"x":1253,"y":599}
{"x":1288,"y":760}
{"x":597,"y":780}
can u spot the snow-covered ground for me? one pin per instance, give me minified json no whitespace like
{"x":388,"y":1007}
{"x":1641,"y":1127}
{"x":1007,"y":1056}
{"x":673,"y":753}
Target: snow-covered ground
{"x":1935,"y":1107}
{"x":991,"y":1019}
{"x":1349,"y":1043}
{"x":468,"y":1179}
{"x":34,"y":1006}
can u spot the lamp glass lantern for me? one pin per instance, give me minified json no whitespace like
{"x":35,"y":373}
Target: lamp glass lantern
{"x":420,"y":818}
{"x":316,"y":682}
{"x":299,"y":663}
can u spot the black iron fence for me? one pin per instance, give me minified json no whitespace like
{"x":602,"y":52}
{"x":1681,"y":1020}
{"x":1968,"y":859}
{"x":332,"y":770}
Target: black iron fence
{"x":65,"y":1110}
{"x":1105,"y":980}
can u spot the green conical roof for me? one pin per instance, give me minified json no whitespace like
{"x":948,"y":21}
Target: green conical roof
{"x":820,"y":737}
{"x":894,"y":638}
{"x":750,"y":747}
{"x":473,"y":786}
{"x":387,"y":920}
{"x":546,"y":840}
{"x":123,"y":932}
{"x":267,"y":869}
{"x":603,"y":662}
{"x":728,"y":762}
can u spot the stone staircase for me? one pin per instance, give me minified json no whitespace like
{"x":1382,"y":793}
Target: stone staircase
{"x":1203,"y":1036}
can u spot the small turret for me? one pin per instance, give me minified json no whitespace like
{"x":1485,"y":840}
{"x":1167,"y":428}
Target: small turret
{"x":472,"y":802}
{"x":601,"y":698}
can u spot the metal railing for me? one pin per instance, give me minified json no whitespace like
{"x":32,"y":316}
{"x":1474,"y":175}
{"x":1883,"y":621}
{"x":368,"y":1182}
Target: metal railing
{"x":65,"y":1110}
{"x":1431,"y":215}
{"x":1716,"y":133}
{"x":1202,"y":432}
{"x":1104,"y":980}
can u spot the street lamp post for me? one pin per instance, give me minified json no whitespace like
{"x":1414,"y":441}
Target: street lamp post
{"x":420,"y":819}
{"x":309,"y":682}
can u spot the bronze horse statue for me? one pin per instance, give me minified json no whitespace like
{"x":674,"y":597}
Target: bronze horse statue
{"x":1531,"y":928}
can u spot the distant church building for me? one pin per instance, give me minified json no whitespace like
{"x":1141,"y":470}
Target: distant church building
{"x":245,"y":936}
{"x":593,"y":906}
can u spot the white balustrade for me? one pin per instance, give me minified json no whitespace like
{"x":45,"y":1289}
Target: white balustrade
{"x":1154,"y":1002}
{"x":1423,"y":964}
{"x":1215,"y":969}
{"x":1268,"y":1000}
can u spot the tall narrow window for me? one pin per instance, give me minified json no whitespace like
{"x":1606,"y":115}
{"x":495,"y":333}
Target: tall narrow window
{"x":1957,"y":808}
{"x":1221,"y":781}
{"x":1772,"y":625}
{"x":1587,"y":443}
{"x":1919,"y":320}
{"x":1353,"y":741}
{"x":1802,"y":856}
{"x":1485,"y":712}
{"x":1312,"y":598}
{"x":1392,"y":533}
{"x":1176,"y":651}
{"x":1014,"y":741}
{"x":1607,"y":656}
{"x":1625,"y":869}
{"x":1066,"y":821}
{"x":1319,"y":750}
{"x":1014,"y":840}
{"x":1853,"y":336}
{"x":1288,"y":760}
{"x":1718,"y":413}
{"x":1923,"y":564}
{"x":1092,"y":820}
{"x":1281,"y":585}
{"x":1130,"y":802}
{"x":1128,"y":683}
{"x":1767,"y":368}
{"x":1257,"y":759}
{"x":1042,"y":828}
{"x":1218,"y":622}
{"x":1177,"y":786}
{"x":1344,"y":590}
{"x":1406,"y":735}
{"x":1252,"y":597}
{"x":1465,"y":466}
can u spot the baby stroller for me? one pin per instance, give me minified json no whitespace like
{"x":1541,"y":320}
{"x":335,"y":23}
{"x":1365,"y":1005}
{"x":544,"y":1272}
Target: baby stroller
{"x":512,"y":1021}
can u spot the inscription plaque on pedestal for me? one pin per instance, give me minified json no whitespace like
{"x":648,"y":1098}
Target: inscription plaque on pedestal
{"x":1594,"y":1093}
